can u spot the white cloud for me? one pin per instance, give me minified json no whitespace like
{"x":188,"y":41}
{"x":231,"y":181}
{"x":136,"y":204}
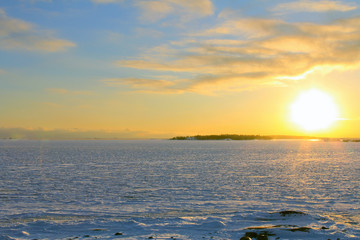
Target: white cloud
{"x":314,"y":6}
{"x":10,"y":26}
{"x":146,"y":85}
{"x":155,"y":10}
{"x":270,"y":52}
{"x":107,"y":1}
{"x":148,"y":33}
{"x":247,"y":27}
{"x":20,"y":35}
{"x":202,"y":7}
{"x":33,"y":1}
{"x":64,"y":91}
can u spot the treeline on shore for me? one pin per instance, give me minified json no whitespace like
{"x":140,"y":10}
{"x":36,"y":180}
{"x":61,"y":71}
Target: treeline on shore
{"x":222,"y":137}
{"x":237,"y":137}
{"x":259,"y":137}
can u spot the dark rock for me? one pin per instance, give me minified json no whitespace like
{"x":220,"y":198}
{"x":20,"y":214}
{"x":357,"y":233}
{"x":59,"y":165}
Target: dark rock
{"x":86,"y":236}
{"x":118,"y":233}
{"x":245,"y":238}
{"x":288,"y":213}
{"x":324,"y":228}
{"x":251,"y":234}
{"x":267,"y":233}
{"x":300,"y":229}
{"x":262,"y":237}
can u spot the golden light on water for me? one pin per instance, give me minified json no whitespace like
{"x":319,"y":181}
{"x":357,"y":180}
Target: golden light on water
{"x":314,"y":110}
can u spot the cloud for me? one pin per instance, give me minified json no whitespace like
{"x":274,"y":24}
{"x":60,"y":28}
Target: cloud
{"x":201,"y":7}
{"x":248,"y":27}
{"x":34,"y":1}
{"x":314,"y":6}
{"x":20,"y":35}
{"x":256,"y":53}
{"x":138,"y":82}
{"x":146,"y":85}
{"x":186,"y":10}
{"x":148,"y":33}
{"x":155,"y":10}
{"x":36,"y":43}
{"x":107,"y":1}
{"x":11,"y":25}
{"x":64,"y":91}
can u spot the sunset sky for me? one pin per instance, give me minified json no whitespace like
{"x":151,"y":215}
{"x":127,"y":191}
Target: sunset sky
{"x":163,"y":68}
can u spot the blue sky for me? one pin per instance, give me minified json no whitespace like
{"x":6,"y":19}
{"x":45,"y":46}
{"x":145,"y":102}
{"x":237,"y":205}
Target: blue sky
{"x":147,"y":66}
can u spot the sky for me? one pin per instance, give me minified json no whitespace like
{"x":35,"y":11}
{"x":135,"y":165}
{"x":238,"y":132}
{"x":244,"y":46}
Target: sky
{"x":164,"y":68}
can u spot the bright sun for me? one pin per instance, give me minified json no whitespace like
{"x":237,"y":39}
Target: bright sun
{"x":314,"y":110}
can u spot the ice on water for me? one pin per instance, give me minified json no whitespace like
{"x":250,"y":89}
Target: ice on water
{"x":179,"y":189}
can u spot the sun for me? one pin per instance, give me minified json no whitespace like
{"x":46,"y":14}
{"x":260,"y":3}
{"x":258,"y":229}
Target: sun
{"x":314,"y":110}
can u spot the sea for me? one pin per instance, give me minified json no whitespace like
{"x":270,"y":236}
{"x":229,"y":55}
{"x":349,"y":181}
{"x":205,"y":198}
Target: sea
{"x":168,"y":189}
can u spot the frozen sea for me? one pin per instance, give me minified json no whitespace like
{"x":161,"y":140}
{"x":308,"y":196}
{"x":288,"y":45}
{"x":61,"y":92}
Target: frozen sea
{"x":162,"y":189}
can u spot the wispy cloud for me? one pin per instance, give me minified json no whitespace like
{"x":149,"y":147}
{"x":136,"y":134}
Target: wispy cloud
{"x":147,"y":85}
{"x":155,"y":10}
{"x":20,"y":35}
{"x":64,"y":91}
{"x":247,"y":28}
{"x":314,"y":6}
{"x":249,"y":53}
{"x":185,"y":9}
{"x":107,"y":1}
{"x":148,"y":33}
{"x":34,"y":1}
{"x":138,"y":82}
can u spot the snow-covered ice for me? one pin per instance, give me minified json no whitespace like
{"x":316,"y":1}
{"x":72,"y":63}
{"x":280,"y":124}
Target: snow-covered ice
{"x":160,"y":189}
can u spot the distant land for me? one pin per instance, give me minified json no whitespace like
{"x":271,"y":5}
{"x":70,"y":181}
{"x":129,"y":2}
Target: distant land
{"x":257,"y":137}
{"x":76,"y":134}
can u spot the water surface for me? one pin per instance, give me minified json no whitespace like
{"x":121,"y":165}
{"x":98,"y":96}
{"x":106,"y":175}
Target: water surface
{"x":179,"y":189}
